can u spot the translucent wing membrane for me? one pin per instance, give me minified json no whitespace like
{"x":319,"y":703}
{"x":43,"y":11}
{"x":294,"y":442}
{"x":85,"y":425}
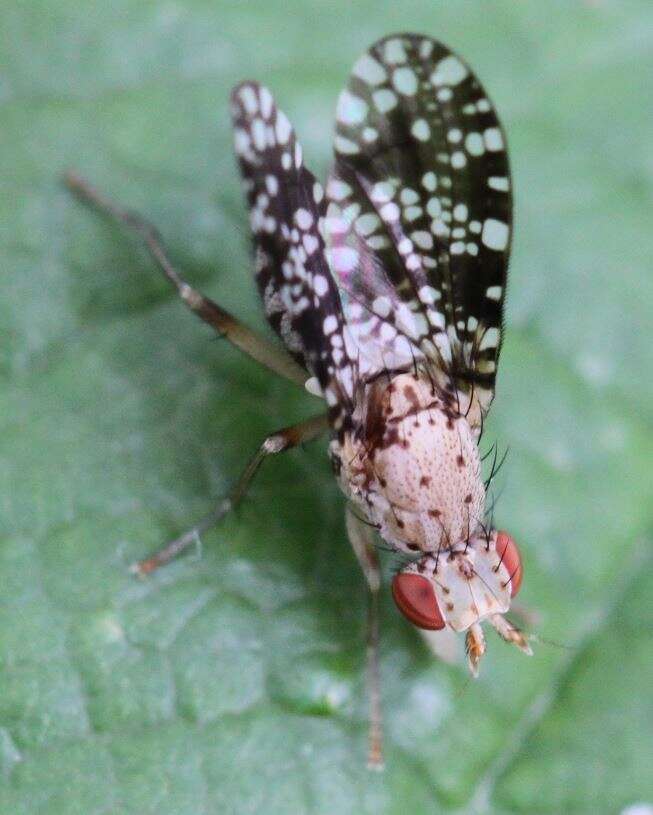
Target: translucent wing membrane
{"x":286,"y":206}
{"x":419,"y":207}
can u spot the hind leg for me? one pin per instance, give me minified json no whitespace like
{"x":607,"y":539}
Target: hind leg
{"x":206,"y":309}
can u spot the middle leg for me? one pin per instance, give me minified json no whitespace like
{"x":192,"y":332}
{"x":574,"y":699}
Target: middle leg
{"x":276,"y":443}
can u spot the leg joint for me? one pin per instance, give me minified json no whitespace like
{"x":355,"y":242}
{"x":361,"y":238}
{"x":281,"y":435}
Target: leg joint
{"x":274,"y":444}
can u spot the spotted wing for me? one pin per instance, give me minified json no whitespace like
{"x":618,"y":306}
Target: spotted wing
{"x":286,"y":206}
{"x":421,"y":202}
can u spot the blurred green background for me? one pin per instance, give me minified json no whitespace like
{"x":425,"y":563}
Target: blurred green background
{"x":233,"y":682}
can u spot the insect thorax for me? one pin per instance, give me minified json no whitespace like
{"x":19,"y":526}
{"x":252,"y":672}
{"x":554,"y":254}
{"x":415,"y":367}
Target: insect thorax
{"x":411,"y":463}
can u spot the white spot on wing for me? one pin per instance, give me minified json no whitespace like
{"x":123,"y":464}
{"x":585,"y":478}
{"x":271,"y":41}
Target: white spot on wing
{"x":495,"y":234}
{"x":346,"y":146}
{"x":493,"y":139}
{"x":498,"y":182}
{"x":384,"y":100}
{"x":449,"y":71}
{"x":351,"y":109}
{"x":369,"y":70}
{"x":394,"y":52}
{"x":282,"y":127}
{"x":405,"y":81}
{"x":421,"y":130}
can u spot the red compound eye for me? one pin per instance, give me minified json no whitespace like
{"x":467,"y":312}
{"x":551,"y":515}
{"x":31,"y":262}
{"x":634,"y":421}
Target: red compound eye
{"x":509,"y":553}
{"x":416,"y":600}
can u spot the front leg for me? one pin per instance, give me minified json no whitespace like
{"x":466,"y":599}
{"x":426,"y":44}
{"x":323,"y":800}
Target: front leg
{"x":278,"y":442}
{"x":361,"y":537}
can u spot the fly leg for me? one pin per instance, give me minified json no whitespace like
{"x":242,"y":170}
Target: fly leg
{"x":206,"y":309}
{"x":361,"y":538}
{"x":276,"y":443}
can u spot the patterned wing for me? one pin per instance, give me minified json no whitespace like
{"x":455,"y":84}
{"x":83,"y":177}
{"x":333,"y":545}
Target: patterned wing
{"x":421,"y":202}
{"x":286,"y":206}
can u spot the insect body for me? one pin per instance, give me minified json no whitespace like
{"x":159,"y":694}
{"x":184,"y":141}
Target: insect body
{"x":386,"y":287}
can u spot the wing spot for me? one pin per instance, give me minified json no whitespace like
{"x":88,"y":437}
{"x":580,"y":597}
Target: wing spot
{"x":394,"y":52}
{"x":311,"y":244}
{"x":430,"y":181}
{"x":259,"y":135}
{"x":449,"y":71}
{"x":249,"y":99}
{"x":413,"y":263}
{"x":346,"y":146}
{"x":421,"y":130}
{"x":426,"y":48}
{"x":351,"y":109}
{"x":337,"y":190}
{"x":282,"y":127}
{"x":368,"y":223}
{"x":369,"y":70}
{"x":382,"y":306}
{"x":384,"y":100}
{"x":344,"y":259}
{"x":434,"y":207}
{"x":412,"y":213}
{"x":428,"y":295}
{"x":423,"y":239}
{"x":490,"y":339}
{"x":382,"y":192}
{"x":458,"y":160}
{"x":408,"y":196}
{"x":378,"y":242}
{"x":474,"y":144}
{"x":267,"y":102}
{"x":495,"y":234}
{"x":320,"y":285}
{"x":493,"y":293}
{"x":405,"y":81}
{"x":390,"y":212}
{"x":498,"y":182}
{"x":439,"y":228}
{"x":493,"y":139}
{"x":303,"y":219}
{"x":271,"y":184}
{"x":460,"y":212}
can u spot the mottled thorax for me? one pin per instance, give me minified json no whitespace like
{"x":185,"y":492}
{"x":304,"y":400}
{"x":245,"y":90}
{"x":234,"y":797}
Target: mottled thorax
{"x":412,"y":463}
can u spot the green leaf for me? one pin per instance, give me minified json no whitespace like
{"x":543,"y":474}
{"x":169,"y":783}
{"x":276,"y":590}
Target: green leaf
{"x":232,"y":681}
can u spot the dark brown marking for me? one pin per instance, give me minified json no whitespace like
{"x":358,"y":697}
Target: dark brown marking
{"x":425,"y":480}
{"x":409,"y":393}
